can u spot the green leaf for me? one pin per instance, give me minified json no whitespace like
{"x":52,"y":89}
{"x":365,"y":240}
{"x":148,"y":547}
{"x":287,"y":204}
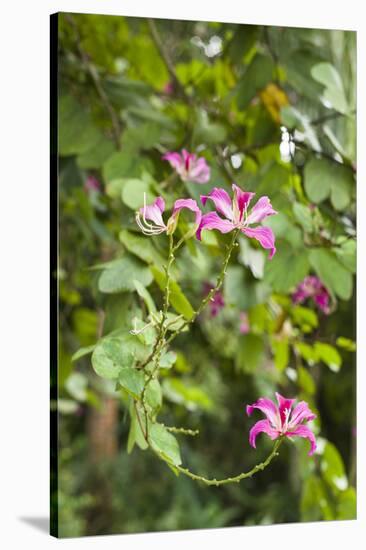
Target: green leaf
{"x":122,"y":164}
{"x":314,"y":501}
{"x":307,"y":352}
{"x":305,"y":381}
{"x":256,"y":76}
{"x":153,"y":395}
{"x":177,"y":298}
{"x":250,"y":353}
{"x":145,"y":295}
{"x":187,"y":394}
{"x":132,"y":380}
{"x":133,"y":192}
{"x":135,"y":434}
{"x":253,"y":258}
{"x":324,"y":178}
{"x":277,"y":272}
{"x":346,"y":343}
{"x":305,"y":318}
{"x":111,"y":354}
{"x":280,"y":349}
{"x":76,"y":130}
{"x":334,"y":93}
{"x":347,"y":504}
{"x":165,"y":444}
{"x":329,"y":355}
{"x":303,"y":215}
{"x":96,"y":155}
{"x":119,"y":275}
{"x":82,"y":352}
{"x":167,"y":360}
{"x":142,"y":247}
{"x":332,"y":468}
{"x":332,"y":273}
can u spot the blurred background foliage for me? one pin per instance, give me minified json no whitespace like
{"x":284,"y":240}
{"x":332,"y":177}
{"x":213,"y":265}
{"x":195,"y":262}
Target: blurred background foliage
{"x":272,"y":109}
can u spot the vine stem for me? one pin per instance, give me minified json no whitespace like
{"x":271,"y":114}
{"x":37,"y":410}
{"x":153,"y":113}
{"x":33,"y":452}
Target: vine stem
{"x":216,"y":288}
{"x":238,"y":478}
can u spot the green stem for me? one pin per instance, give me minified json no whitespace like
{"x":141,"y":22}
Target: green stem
{"x":238,"y":478}
{"x":216,"y":288}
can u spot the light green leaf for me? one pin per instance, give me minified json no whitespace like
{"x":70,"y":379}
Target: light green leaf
{"x":177,"y":298}
{"x":145,"y":295}
{"x":142,"y":247}
{"x":82,"y":352}
{"x":331,"y":272}
{"x":280,"y":349}
{"x":305,"y":381}
{"x":334,"y":93}
{"x":346,"y":343}
{"x":347,"y":504}
{"x":303,"y":215}
{"x":250,"y":353}
{"x":153,"y":395}
{"x":167,"y":360}
{"x":119,"y":275}
{"x":165,"y":444}
{"x":277,"y":272}
{"x":133,"y":192}
{"x":113,"y":353}
{"x":329,"y":355}
{"x":131,"y":380}
{"x":324,"y":178}
{"x":332,"y":468}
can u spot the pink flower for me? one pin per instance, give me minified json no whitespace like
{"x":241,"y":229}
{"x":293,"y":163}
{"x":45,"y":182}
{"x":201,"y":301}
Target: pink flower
{"x":189,"y":166}
{"x":217,"y":302}
{"x":282,"y":420}
{"x":168,"y":88}
{"x":312,"y":287}
{"x":153,"y":213}
{"x":244,"y":327}
{"x":92,"y":184}
{"x":236,"y":216}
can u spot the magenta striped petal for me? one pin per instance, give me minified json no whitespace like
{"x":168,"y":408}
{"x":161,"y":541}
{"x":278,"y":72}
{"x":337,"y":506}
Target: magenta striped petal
{"x":264,"y":235}
{"x":263,"y":426}
{"x":191,"y":205}
{"x":213,"y":221}
{"x":242,"y":198}
{"x":304,"y":431}
{"x":260,"y":211}
{"x":268,"y":408}
{"x":221,"y":200}
{"x":284,"y":404}
{"x":300,"y":414}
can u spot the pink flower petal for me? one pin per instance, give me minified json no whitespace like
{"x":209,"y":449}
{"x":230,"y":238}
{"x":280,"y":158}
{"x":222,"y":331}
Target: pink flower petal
{"x":242,"y":199}
{"x":260,"y":427}
{"x":267,"y":407}
{"x":304,"y":431}
{"x":153,"y":212}
{"x":264,"y":235}
{"x":191,"y":205}
{"x":284,"y":404}
{"x":260,"y":211}
{"x":199,"y":171}
{"x":213,"y":221}
{"x":175,"y":160}
{"x":300,"y":414}
{"x":221,"y":200}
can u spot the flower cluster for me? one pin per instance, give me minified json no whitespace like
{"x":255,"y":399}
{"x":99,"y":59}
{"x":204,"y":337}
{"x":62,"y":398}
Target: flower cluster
{"x":312,"y":287}
{"x":283,"y":420}
{"x":234,"y":210}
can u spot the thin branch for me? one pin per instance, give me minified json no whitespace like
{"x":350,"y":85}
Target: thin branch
{"x":97,"y":82}
{"x":166,"y":58}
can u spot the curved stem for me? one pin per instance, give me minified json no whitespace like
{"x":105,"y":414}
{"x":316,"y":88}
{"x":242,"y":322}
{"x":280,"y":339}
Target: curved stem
{"x":216,"y":288}
{"x":238,"y":478}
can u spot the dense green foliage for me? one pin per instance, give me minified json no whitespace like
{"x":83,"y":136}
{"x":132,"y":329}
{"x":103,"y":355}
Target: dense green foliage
{"x":130,"y":90}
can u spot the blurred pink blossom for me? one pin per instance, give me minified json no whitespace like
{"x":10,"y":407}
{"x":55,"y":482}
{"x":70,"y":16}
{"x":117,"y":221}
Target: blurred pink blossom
{"x":217,"y":302}
{"x":189,"y":166}
{"x":244,"y":326}
{"x":92,"y":184}
{"x":312,"y":287}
